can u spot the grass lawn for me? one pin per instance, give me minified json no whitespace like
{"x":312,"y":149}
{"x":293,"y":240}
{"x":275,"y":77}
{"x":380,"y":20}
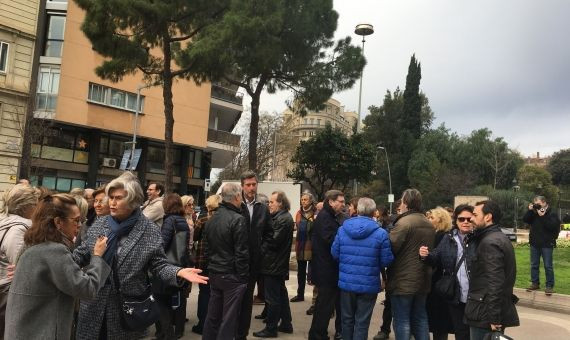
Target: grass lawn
{"x":561,"y":269}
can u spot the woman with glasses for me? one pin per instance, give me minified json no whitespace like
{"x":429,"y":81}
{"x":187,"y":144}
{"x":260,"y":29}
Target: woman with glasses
{"x":450,"y":256}
{"x":47,"y":279}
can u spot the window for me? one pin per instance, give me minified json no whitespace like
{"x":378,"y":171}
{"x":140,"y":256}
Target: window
{"x":3,"y":56}
{"x":305,"y":121}
{"x":155,"y":160}
{"x":112,"y":97}
{"x":318,"y":122}
{"x":54,"y":39}
{"x":48,"y":86}
{"x":62,"y":145}
{"x":312,"y":121}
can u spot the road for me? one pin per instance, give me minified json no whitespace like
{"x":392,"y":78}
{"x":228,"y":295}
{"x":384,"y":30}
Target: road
{"x":535,"y":324}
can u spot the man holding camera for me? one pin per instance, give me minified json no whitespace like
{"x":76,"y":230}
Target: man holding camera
{"x":544,"y":229}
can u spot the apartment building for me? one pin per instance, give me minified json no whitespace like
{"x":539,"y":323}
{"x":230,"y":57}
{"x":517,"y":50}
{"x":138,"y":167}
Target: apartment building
{"x":18,"y":24}
{"x":90,"y":121}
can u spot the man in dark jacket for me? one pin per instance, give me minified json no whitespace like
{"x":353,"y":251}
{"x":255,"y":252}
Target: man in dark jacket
{"x":228,"y":265}
{"x":492,"y":272}
{"x":276,"y":250}
{"x":324,"y":267}
{"x":258,"y":220}
{"x":409,"y":278}
{"x":544,"y":229}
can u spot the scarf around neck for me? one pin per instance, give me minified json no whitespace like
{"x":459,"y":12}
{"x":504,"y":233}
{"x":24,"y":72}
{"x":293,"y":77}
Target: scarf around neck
{"x":118,"y":231}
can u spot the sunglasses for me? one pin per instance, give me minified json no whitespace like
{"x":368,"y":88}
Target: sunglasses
{"x":464,"y":219}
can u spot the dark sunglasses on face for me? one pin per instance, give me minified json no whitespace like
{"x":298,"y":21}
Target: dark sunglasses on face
{"x":464,"y":219}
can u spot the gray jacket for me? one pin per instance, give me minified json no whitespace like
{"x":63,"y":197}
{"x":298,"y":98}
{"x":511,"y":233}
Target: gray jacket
{"x":140,"y":252}
{"x":46,"y":282}
{"x":12,"y":230}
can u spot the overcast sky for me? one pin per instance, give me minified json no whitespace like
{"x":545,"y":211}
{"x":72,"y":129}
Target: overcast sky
{"x":504,"y":65}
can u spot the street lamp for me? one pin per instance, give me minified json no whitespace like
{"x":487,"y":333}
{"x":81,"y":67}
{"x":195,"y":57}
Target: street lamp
{"x":135,"y":128}
{"x":516,"y":188}
{"x":362,"y":30}
{"x":391,"y":196}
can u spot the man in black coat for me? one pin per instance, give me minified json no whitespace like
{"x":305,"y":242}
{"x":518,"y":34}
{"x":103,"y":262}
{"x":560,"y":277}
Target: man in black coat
{"x":258,"y":221}
{"x":324,"y":267}
{"x":228,"y":265}
{"x":544,"y":229}
{"x":492,"y":271}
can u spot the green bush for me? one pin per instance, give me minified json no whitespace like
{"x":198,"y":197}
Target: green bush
{"x":560,"y":243}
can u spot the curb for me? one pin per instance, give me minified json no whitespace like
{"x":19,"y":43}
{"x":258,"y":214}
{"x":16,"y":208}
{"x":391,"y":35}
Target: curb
{"x":559,"y":303}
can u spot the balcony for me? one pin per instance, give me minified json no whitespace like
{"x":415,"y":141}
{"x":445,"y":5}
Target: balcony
{"x":223,"y":137}
{"x":227,"y":95}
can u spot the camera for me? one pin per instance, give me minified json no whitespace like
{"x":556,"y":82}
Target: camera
{"x":536,"y":206}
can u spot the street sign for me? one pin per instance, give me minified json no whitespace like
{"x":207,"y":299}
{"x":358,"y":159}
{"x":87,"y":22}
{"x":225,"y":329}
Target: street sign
{"x":127,"y":157}
{"x":390,"y":198}
{"x":207,"y":185}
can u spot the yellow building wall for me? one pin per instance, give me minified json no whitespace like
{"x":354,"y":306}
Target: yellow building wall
{"x":191,"y":102}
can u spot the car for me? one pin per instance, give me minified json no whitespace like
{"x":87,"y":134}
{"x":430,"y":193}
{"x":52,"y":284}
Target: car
{"x":510,"y":234}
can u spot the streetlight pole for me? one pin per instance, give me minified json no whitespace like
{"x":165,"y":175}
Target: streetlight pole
{"x":135,"y":128}
{"x":389,"y":176}
{"x":516,"y":211}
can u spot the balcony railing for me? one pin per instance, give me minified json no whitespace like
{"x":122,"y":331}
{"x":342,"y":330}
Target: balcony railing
{"x":226,"y":94}
{"x":223,"y":137}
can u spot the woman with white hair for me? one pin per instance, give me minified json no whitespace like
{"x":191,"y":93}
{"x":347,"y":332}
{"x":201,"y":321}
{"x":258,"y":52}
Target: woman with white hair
{"x":134,"y":248}
{"x":16,"y":208}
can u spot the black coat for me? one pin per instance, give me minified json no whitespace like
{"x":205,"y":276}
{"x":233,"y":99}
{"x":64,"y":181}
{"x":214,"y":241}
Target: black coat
{"x":276,"y":245}
{"x":170,"y":224}
{"x":324,"y":267}
{"x":492,"y":272}
{"x":227,"y":247}
{"x":257,"y":225}
{"x":437,"y":310}
{"x":544,"y":230}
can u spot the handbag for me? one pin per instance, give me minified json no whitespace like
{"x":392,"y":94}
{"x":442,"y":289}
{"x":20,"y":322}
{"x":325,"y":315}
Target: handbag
{"x":497,"y":335}
{"x":177,"y":253}
{"x":445,"y":286}
{"x":137,"y":312}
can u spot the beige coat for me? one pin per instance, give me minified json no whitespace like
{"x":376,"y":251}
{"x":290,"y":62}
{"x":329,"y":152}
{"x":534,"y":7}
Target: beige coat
{"x":12,"y":230}
{"x":153,"y":210}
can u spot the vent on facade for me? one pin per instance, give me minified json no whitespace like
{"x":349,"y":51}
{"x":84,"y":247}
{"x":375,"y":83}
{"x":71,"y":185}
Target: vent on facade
{"x":110,"y":162}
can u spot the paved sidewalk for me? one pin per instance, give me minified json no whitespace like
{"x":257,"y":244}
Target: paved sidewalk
{"x":535,"y":324}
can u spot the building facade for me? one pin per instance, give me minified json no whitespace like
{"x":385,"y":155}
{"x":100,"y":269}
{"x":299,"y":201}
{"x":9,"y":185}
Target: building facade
{"x":303,"y":128}
{"x":89,"y":122}
{"x":18,"y":24}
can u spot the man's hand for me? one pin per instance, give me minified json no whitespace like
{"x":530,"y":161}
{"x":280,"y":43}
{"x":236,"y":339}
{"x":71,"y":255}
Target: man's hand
{"x":531,"y":206}
{"x":424,"y":251}
{"x":496,"y":327}
{"x":10,"y":269}
{"x":191,"y":275}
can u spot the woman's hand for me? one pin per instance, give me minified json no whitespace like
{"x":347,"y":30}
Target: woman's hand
{"x":191,"y":275}
{"x":424,"y":251}
{"x":100,"y":246}
{"x":10,"y":269}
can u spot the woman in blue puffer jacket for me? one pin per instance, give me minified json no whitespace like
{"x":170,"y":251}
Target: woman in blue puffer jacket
{"x":362,"y":249}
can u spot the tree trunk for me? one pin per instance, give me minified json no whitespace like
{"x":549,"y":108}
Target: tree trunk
{"x":254,"y":132}
{"x":168,"y":115}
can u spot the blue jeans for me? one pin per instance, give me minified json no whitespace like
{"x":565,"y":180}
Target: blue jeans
{"x":356,"y":313}
{"x":410,"y":317}
{"x":535,"y":254}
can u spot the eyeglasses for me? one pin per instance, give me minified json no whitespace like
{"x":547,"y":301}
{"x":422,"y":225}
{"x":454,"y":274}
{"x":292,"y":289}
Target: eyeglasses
{"x":76,"y":220}
{"x":464,"y":219}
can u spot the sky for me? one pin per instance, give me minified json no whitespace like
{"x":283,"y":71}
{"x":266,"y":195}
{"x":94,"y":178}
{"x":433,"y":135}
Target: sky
{"x":504,"y":65}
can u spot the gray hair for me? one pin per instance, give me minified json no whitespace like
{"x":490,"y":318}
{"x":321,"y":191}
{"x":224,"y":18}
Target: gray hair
{"x":130,"y":183}
{"x":309,"y":195}
{"x":366,"y":207}
{"x":540,"y":198}
{"x":262,"y":198}
{"x":230,"y":191}
{"x":17,"y":200}
{"x":82,"y":205}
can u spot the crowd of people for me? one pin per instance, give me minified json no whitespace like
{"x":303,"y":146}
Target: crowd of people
{"x":106,"y":264}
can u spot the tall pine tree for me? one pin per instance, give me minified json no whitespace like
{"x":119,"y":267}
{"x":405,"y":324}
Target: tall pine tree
{"x":412,"y":120}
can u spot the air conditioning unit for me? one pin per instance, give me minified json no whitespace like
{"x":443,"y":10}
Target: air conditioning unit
{"x":110,"y":162}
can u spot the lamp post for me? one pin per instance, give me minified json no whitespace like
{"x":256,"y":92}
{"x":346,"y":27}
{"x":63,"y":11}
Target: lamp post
{"x":391,"y":197}
{"x":516,"y":211}
{"x":135,"y":128}
{"x":362,"y":30}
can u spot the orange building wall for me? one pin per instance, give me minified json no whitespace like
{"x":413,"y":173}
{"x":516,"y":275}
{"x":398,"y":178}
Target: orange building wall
{"x":191,"y":102}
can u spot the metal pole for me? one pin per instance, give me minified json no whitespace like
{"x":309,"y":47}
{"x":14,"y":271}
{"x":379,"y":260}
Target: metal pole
{"x":389,"y":177}
{"x":274,"y":154}
{"x":358,"y":124}
{"x":134,"y":142}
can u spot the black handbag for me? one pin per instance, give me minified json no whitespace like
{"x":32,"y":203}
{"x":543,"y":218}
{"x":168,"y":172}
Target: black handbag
{"x":177,"y":253}
{"x":497,"y":335}
{"x":137,"y":312}
{"x":445,"y":287}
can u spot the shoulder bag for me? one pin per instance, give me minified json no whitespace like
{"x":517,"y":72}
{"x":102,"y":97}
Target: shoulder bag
{"x":445,"y":286}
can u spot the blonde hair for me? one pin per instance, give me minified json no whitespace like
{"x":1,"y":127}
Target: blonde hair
{"x":441,"y":219}
{"x":17,"y":200}
{"x":186,"y":199}
{"x":213,"y":202}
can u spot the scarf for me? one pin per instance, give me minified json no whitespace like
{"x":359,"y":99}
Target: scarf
{"x":118,"y":231}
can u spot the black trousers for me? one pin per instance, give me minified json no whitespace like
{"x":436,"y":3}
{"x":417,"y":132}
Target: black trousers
{"x":301,"y":277}
{"x":226,"y":294}
{"x":277,"y":302}
{"x":456,"y":312}
{"x":387,"y":315}
{"x":165,"y":323}
{"x":203,"y":300}
{"x":246,"y":308}
{"x":327,"y":300}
